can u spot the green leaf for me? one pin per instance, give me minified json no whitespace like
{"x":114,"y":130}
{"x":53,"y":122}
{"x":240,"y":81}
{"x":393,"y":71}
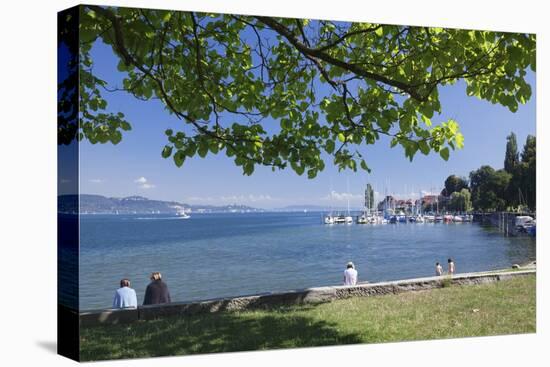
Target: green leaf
{"x":424,"y":147}
{"x":444,"y":153}
{"x":329,"y":146}
{"x":364,"y":165}
{"x":286,"y":124}
{"x":248,"y":168}
{"x":203,"y":150}
{"x":426,"y":120}
{"x":459,"y":140}
{"x":214,"y":147}
{"x":297,"y":168}
{"x":179,"y":158}
{"x":167,"y":151}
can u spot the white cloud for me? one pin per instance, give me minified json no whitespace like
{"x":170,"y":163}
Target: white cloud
{"x":413,"y":195}
{"x":342,"y":196}
{"x":231,"y":199}
{"x":144,"y":183}
{"x":96,"y":180}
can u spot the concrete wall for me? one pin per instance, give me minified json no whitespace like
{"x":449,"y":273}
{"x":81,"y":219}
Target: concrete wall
{"x":306,"y":296}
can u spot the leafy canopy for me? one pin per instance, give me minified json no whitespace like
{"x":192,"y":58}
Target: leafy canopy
{"x":489,"y":188}
{"x":330,"y":87}
{"x":454,"y":183}
{"x":511,"y":158}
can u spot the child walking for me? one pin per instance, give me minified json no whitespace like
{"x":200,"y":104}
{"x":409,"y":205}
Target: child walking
{"x":438,"y":269}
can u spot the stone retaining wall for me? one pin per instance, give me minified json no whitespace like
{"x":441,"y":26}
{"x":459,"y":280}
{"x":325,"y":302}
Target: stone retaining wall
{"x":306,"y":296}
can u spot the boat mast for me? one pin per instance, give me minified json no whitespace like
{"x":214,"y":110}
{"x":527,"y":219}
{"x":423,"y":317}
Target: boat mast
{"x":347,"y":188}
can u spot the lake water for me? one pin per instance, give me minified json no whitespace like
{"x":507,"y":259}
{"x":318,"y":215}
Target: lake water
{"x":220,"y":255}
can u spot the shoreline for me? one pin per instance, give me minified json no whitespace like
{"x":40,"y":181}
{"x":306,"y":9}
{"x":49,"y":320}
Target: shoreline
{"x":524,"y":265}
{"x":305,"y":296}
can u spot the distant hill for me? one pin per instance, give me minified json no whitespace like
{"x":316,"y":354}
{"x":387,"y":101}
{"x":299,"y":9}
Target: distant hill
{"x":98,"y":204}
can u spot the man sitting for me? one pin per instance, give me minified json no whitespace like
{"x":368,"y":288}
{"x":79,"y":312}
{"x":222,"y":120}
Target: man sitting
{"x":125,"y":297}
{"x":350,"y":274}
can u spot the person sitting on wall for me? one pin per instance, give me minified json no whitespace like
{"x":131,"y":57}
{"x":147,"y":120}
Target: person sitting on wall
{"x":350,"y":274}
{"x":125,"y":297}
{"x":157,"y":291}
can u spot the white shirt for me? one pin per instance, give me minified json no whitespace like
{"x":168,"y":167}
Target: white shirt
{"x":350,"y":276}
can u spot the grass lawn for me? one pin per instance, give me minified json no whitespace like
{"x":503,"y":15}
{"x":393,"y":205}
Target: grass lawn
{"x":506,"y":307}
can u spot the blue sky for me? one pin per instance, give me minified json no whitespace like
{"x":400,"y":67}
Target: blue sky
{"x":135,"y":166}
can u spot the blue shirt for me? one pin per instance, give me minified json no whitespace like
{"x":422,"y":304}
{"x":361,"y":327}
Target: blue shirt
{"x":125,"y":297}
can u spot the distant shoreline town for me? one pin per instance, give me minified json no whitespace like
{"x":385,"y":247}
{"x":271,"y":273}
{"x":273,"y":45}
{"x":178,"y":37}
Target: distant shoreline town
{"x":99,"y":204}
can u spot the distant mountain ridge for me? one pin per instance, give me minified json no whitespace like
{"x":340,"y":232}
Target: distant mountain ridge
{"x":98,"y":204}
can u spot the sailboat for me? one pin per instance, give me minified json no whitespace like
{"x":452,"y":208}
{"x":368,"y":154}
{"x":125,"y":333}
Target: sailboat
{"x":348,"y":219}
{"x":330,"y":218}
{"x":365,"y":217}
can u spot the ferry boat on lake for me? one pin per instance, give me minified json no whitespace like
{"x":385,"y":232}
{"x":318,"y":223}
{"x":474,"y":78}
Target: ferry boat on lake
{"x":182,"y":214}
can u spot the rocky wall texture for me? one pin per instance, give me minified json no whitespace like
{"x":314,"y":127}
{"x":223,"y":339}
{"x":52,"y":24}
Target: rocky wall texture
{"x":306,"y":296}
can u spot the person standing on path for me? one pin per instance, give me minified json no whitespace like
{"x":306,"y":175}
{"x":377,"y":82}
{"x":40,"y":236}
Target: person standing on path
{"x":451,"y":266}
{"x":350,"y":274}
{"x":438,"y":269}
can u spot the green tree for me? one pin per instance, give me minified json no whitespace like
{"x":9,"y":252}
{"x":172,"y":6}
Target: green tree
{"x":511,"y":158}
{"x":460,"y":201}
{"x":529,"y":152}
{"x":529,"y":172}
{"x":512,"y":166}
{"x":489,"y":188}
{"x":454,"y":183}
{"x":369,"y":197}
{"x":286,"y":92}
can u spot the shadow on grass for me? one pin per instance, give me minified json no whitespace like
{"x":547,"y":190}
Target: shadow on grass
{"x":211,"y":333}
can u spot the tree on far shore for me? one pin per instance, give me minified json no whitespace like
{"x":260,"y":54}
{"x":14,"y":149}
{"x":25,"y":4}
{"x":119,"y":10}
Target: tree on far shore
{"x":529,"y":172}
{"x":512,"y":166}
{"x":454,"y":183}
{"x":369,"y":197}
{"x":489,"y":188}
{"x":511,"y":188}
{"x":460,"y":201}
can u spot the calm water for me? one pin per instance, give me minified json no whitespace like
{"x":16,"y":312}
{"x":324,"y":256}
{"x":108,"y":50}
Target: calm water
{"x":219,"y":255}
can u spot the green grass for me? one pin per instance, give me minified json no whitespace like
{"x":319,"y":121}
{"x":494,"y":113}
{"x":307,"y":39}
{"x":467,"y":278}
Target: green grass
{"x":506,"y":307}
